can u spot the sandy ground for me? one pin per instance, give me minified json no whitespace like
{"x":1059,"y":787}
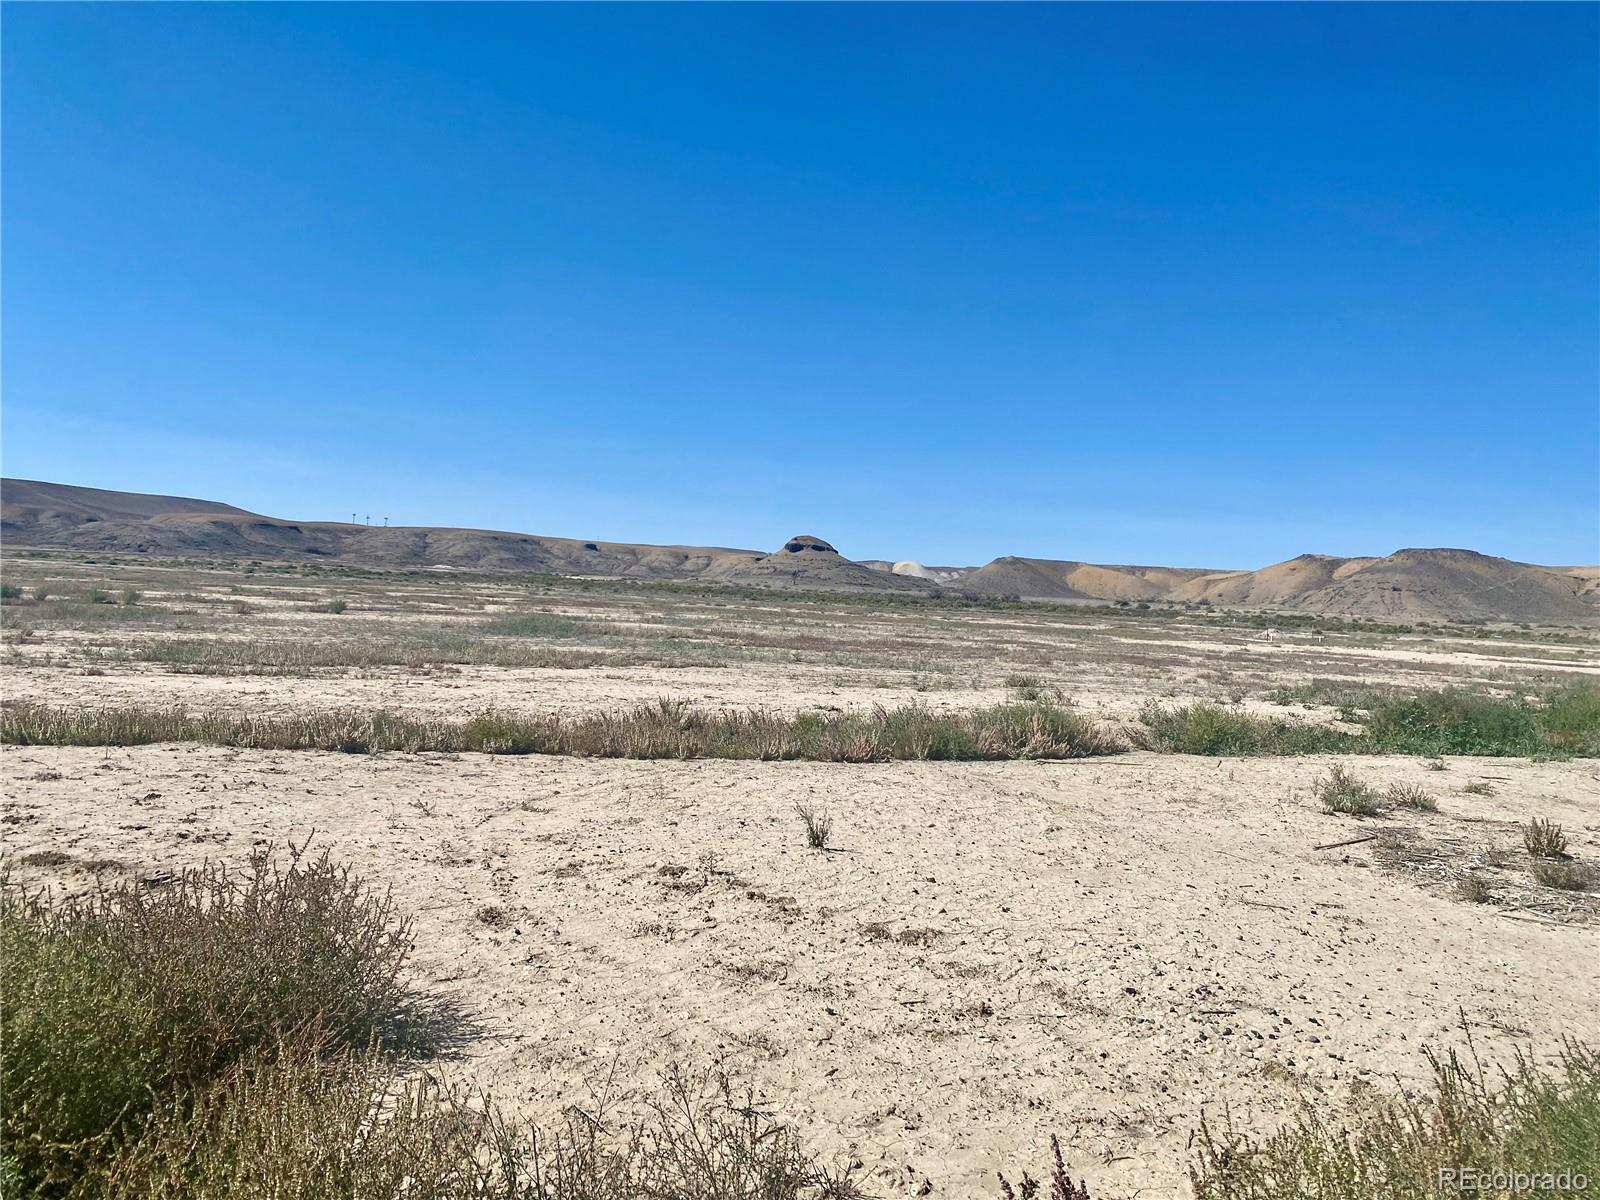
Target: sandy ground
{"x":1104,"y":949}
{"x":992,"y":952}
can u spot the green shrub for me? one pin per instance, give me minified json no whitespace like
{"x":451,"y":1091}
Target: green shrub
{"x":1450,"y":721}
{"x":10,"y":591}
{"x":1206,"y":728}
{"x":118,"y":1002}
{"x":1430,"y":723}
{"x":1570,"y":721}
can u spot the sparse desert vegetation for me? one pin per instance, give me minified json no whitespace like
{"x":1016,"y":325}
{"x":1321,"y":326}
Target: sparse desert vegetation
{"x":1341,"y":792}
{"x":1525,"y":1120}
{"x":1048,"y":812}
{"x":230,"y":1035}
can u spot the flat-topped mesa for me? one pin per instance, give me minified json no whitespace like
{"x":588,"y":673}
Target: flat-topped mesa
{"x":805,"y":543}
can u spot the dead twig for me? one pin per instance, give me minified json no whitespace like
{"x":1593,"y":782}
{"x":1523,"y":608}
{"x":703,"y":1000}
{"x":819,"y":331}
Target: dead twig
{"x":1347,"y":842}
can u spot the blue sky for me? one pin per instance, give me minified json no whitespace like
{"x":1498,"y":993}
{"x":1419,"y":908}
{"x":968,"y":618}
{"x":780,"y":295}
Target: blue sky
{"x":1194,"y":285}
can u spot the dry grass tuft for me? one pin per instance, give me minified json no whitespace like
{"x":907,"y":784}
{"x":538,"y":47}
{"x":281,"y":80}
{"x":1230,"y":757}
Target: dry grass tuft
{"x":1409,"y":795}
{"x":1342,"y":793}
{"x":818,"y":825}
{"x":1544,"y":839}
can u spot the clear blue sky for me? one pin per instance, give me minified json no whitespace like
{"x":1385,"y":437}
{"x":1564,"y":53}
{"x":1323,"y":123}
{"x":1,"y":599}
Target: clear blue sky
{"x":1195,"y":285}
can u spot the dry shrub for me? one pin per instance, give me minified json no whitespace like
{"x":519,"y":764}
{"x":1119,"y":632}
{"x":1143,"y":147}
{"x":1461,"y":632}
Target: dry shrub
{"x":1522,"y":1119}
{"x":818,"y":825}
{"x":1544,"y":839}
{"x":301,"y":1126}
{"x":1061,"y":1185}
{"x":1409,"y":795}
{"x":1341,"y":792}
{"x":1565,"y":875}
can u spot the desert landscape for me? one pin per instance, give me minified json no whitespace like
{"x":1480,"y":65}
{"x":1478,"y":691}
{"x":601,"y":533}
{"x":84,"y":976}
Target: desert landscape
{"x":800,"y":601}
{"x":932,"y":870}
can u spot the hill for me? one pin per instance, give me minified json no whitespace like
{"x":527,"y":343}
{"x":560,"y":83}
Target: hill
{"x":34,"y":513}
{"x":1409,"y":585}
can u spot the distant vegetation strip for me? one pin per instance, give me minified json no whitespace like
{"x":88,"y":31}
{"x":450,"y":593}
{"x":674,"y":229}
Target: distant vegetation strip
{"x":1560,"y":724}
{"x":666,"y":729}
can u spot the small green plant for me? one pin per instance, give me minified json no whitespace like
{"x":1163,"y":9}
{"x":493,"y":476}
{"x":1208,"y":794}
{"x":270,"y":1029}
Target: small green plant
{"x":818,"y":826}
{"x":130,"y":597}
{"x":1409,"y":795}
{"x":1544,"y":839}
{"x":10,"y":591}
{"x":1032,"y":689}
{"x":1564,"y":874}
{"x":1342,"y":793}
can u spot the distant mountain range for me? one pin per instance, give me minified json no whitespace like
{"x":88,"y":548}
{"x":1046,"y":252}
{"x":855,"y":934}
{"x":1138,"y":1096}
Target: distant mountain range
{"x":1407,"y":585}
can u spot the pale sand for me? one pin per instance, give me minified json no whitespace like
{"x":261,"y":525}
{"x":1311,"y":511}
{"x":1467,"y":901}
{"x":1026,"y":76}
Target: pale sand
{"x":1103,"y":949}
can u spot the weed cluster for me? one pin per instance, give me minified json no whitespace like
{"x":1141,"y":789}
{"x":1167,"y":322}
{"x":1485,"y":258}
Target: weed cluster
{"x":1544,"y":839}
{"x":1432,"y":723}
{"x":1341,"y":792}
{"x":667,"y":729}
{"x":1526,"y":1121}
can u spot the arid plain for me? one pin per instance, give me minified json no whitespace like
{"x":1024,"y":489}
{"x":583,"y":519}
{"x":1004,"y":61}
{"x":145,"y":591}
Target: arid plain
{"x":1108,"y":948}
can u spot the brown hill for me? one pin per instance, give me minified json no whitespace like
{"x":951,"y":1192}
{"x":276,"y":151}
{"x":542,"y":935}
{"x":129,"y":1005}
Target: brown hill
{"x":1059,"y":579}
{"x":1451,"y":584}
{"x":1408,"y":585}
{"x":805,"y":561}
{"x":33,"y":513}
